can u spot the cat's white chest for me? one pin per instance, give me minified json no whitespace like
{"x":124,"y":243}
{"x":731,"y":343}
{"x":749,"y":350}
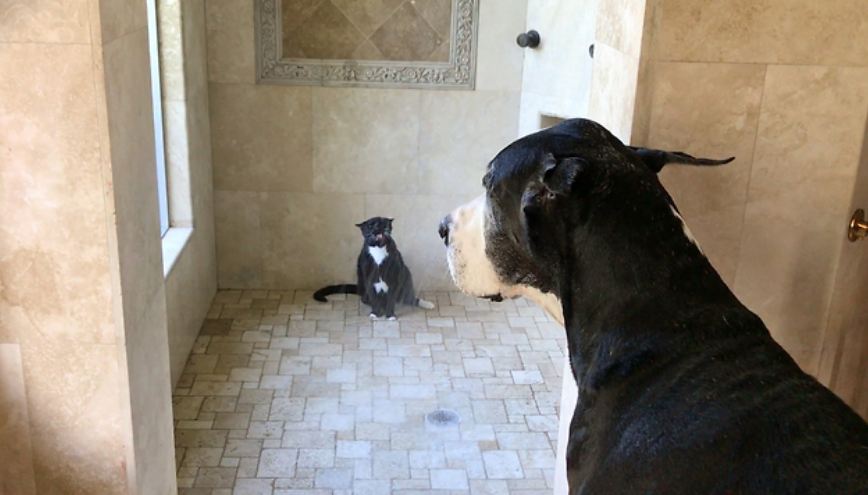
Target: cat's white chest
{"x":381,"y":287}
{"x":378,"y":254}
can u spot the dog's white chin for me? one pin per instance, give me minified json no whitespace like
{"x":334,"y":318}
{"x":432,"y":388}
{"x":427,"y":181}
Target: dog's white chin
{"x":470,"y":268}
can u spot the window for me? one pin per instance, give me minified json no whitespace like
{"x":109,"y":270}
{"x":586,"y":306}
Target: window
{"x":157,"y":99}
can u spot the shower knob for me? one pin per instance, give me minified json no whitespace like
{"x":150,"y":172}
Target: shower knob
{"x":529,"y":39}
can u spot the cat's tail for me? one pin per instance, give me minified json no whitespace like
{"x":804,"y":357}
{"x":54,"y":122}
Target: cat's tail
{"x":328,"y":290}
{"x":424,"y":304}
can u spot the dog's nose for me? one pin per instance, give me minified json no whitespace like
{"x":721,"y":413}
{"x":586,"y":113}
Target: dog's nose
{"x":444,"y":229}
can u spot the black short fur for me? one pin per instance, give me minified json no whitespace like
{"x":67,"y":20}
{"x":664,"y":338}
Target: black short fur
{"x":682,"y":389}
{"x":381,"y":285}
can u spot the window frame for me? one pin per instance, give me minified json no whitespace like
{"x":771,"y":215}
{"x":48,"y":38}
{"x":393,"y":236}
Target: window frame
{"x":157,"y":109}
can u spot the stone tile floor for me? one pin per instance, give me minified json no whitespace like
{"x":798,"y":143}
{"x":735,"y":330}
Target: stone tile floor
{"x":283,"y":395}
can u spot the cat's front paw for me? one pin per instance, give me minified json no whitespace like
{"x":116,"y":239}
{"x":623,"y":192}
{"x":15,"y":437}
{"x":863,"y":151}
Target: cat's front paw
{"x":373,"y":316}
{"x":393,"y":318}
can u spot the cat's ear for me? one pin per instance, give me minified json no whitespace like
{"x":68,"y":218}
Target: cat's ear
{"x":390,"y":219}
{"x":359,"y":225}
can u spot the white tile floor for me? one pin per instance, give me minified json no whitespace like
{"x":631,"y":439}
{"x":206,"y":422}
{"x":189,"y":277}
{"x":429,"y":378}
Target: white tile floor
{"x":283,"y":395}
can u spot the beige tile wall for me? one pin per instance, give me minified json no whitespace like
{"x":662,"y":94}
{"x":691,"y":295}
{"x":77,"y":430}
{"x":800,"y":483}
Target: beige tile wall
{"x":296,"y":167}
{"x":782,"y":86}
{"x":192,"y":283}
{"x":83,"y":338}
{"x":133,"y":230}
{"x":56,"y":305}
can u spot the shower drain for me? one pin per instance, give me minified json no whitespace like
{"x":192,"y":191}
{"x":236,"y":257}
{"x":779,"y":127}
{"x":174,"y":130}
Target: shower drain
{"x":442,"y":417}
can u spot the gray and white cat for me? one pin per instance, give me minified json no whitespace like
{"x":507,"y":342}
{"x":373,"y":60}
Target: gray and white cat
{"x":383,"y":278}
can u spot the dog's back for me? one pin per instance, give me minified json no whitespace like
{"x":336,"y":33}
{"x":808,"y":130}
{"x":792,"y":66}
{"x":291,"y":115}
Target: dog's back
{"x":730,"y":413}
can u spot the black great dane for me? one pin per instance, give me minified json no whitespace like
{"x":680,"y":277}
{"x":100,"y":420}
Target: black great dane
{"x":681,"y":388}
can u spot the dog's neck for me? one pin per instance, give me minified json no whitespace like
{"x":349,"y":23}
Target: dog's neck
{"x":624,"y":300}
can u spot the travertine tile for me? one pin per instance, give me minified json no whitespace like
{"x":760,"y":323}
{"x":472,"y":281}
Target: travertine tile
{"x":453,"y":157}
{"x":231,"y":54}
{"x":261,"y":137}
{"x":239,"y":237}
{"x":16,"y":460}
{"x":786,"y":279}
{"x":739,"y":31}
{"x":48,"y":145}
{"x":369,"y":15}
{"x":499,"y":59}
{"x":326,"y":34}
{"x":502,"y":464}
{"x":344,"y":146}
{"x":406,"y":35}
{"x":48,"y":21}
{"x":121,"y":17}
{"x":352,"y":418}
{"x":293,"y":238}
{"x":613,"y":90}
{"x":710,"y":200}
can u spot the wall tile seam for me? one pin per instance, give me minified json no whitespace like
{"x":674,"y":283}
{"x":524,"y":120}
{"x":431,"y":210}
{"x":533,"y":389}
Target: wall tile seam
{"x":767,"y":64}
{"x":44,"y":43}
{"x":134,"y":32}
{"x":747,"y":194}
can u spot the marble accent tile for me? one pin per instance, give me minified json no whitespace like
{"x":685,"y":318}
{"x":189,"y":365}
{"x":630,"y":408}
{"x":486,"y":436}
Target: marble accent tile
{"x":406,"y":35}
{"x":460,"y":132}
{"x":296,"y":12}
{"x":231,"y":54}
{"x":415,"y":231}
{"x":712,"y":200}
{"x":171,"y":46}
{"x":16,"y":459}
{"x":741,"y":31}
{"x":46,"y":21}
{"x":499,"y":60}
{"x":367,"y":15}
{"x":367,"y":51}
{"x":438,"y":13}
{"x":49,"y":144}
{"x":326,"y":34}
{"x":350,"y":154}
{"x":261,"y":137}
{"x":807,"y":152}
{"x":297,"y":250}
{"x":176,"y":145}
{"x":239,"y":239}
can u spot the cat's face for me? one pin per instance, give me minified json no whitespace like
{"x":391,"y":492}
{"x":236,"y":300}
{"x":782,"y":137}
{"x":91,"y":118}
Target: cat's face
{"x":377,"y":231}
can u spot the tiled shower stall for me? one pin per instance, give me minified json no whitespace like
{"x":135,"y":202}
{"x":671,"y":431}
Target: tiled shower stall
{"x":102,"y":324}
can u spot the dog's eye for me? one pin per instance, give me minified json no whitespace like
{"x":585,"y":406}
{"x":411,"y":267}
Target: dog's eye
{"x":551,"y":195}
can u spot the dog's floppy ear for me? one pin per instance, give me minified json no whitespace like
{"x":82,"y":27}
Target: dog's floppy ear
{"x":657,"y":159}
{"x":559,"y":175}
{"x":558,"y":178}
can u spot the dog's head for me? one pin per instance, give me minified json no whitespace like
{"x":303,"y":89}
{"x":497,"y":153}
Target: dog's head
{"x":556,"y":198}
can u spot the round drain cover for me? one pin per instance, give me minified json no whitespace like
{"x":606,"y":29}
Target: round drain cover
{"x":442,"y":417}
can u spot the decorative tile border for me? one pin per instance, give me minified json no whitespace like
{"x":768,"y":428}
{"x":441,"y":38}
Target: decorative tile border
{"x":458,"y":73}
